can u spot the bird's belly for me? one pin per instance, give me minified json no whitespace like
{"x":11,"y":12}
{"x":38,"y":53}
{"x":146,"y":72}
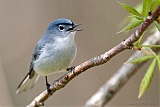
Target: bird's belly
{"x":52,"y":62}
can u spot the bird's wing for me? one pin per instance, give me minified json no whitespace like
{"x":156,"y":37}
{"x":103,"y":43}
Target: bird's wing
{"x":37,"y":52}
{"x":30,"y":79}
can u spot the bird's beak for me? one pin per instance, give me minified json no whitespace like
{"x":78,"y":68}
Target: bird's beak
{"x":73,"y":28}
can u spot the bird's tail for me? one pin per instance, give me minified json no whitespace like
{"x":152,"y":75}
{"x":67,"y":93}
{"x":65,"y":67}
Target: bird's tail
{"x":27,"y":83}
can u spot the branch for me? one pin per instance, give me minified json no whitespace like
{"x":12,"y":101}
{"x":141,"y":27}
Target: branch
{"x":121,"y":77}
{"x":99,"y":60}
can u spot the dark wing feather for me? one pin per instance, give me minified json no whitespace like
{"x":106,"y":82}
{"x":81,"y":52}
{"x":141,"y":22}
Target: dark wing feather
{"x":37,"y":52}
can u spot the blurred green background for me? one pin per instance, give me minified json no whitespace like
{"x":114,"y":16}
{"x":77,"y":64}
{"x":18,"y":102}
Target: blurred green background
{"x":24,"y":22}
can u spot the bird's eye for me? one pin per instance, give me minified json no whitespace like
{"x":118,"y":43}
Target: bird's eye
{"x":61,"y":27}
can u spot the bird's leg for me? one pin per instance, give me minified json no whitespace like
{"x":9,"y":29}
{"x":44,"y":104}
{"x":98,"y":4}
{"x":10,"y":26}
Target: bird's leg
{"x":48,"y":86}
{"x":71,"y":69}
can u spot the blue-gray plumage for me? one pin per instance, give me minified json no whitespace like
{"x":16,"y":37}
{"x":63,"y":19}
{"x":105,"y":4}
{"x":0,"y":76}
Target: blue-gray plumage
{"x":54,"y":52}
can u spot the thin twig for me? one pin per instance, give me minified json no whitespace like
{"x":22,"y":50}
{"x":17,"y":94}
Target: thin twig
{"x":120,"y":78}
{"x":99,"y":60}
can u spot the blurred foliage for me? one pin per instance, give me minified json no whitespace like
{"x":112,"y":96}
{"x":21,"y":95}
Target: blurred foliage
{"x":137,"y":16}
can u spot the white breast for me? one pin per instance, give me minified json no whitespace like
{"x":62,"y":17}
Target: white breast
{"x":56,"y":57}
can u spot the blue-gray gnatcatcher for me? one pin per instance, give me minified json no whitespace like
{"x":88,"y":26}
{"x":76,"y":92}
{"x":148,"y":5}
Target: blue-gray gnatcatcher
{"x":54,"y":52}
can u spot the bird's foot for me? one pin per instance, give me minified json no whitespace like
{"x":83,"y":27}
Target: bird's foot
{"x":48,"y":88}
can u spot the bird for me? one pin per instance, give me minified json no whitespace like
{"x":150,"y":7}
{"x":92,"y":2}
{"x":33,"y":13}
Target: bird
{"x":55,"y":52}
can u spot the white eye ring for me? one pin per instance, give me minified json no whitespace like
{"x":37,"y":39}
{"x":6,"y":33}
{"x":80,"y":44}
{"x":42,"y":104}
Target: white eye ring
{"x":61,"y":27}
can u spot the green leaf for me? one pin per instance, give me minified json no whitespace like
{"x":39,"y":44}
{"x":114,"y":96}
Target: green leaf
{"x":131,"y":25}
{"x":140,"y":59}
{"x":146,"y":7}
{"x":158,"y":60}
{"x":146,"y":81}
{"x":157,"y":25}
{"x":155,"y":4}
{"x":152,"y":52}
{"x":130,"y":9}
{"x":137,"y":17}
{"x":151,"y":46}
{"x":148,"y":51}
{"x":138,"y":43}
